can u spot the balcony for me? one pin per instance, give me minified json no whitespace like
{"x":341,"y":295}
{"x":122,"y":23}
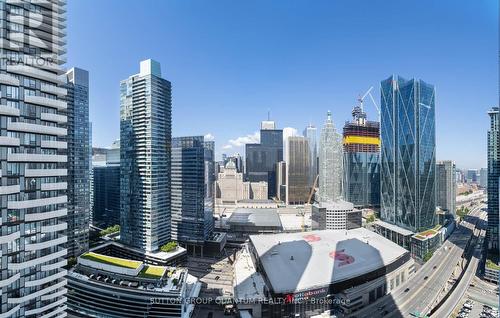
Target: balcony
{"x":54,"y":228}
{"x":37,"y":261}
{"x":9,"y":141}
{"x":33,"y":157}
{"x":9,"y":111}
{"x":59,"y":293}
{"x":35,"y":72}
{"x":26,"y":204}
{"x":10,"y":280}
{"x":45,"y":215}
{"x":9,"y":80}
{"x":53,"y":144}
{"x":44,"y":101}
{"x":36,"y":294}
{"x":45,"y":280}
{"x":50,"y":267}
{"x":11,"y":312}
{"x":37,"y":129}
{"x":58,"y":313}
{"x":51,"y":89}
{"x":46,"y":244}
{"x":10,"y":237}
{"x":45,"y":173}
{"x":54,"y":186}
{"x":54,"y":118}
{"x":46,"y":307}
{"x":10,"y":189}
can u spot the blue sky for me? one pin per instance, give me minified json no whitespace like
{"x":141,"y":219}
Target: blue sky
{"x":231,"y":61}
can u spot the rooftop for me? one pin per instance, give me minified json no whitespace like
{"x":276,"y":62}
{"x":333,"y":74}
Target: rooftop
{"x":255,"y":217}
{"x":301,"y":261}
{"x":393,"y":228}
{"x":110,"y":260}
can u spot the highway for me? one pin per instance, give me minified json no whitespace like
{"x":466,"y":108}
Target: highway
{"x":446,"y":309}
{"x":421,"y":290}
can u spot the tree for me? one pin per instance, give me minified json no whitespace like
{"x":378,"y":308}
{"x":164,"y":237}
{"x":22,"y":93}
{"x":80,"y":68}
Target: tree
{"x":169,"y":247}
{"x":370,"y":218}
{"x":109,"y":230}
{"x":428,"y":256}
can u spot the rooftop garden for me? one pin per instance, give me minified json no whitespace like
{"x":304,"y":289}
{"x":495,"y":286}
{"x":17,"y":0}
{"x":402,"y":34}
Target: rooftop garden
{"x":110,"y":260}
{"x":110,"y":230}
{"x":492,"y":265}
{"x":152,"y":272}
{"x":169,"y":247}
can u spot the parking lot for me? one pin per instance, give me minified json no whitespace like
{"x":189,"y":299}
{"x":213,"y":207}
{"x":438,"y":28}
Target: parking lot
{"x":474,"y":309}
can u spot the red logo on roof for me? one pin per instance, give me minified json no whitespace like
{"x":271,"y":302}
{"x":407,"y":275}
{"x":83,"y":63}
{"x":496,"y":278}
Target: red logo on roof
{"x":342,"y":257}
{"x":312,"y":238}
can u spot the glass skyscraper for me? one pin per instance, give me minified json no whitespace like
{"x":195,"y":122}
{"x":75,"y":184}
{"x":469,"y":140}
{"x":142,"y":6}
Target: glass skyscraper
{"x":33,"y":155}
{"x":493,"y":175}
{"x":106,"y":203}
{"x":408,"y":148}
{"x":362,"y":160}
{"x":310,"y":132}
{"x":330,"y":162}
{"x":192,"y":223}
{"x":79,"y":150}
{"x":145,"y":150}
{"x":261,"y":158}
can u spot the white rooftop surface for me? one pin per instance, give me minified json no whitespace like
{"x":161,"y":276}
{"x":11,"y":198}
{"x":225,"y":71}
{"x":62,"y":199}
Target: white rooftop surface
{"x":249,"y":284}
{"x":321,"y":257}
{"x":394,"y":228}
{"x":293,"y":222}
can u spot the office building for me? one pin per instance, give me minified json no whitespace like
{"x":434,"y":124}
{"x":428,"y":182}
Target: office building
{"x":356,"y":267}
{"x":210,"y":175}
{"x":362,"y":160}
{"x":79,"y":150}
{"x":310,"y":132}
{"x":483,"y":178}
{"x":408,"y":164}
{"x":106,"y":196}
{"x":192,"y":223}
{"x":115,"y":287}
{"x":472,"y":176}
{"x":330,"y":162}
{"x":493,"y":175}
{"x":281,"y":181}
{"x":145,"y":151}
{"x":335,"y":215}
{"x":446,"y":186}
{"x":34,"y":169}
{"x":297,"y":167}
{"x":231,"y":188}
{"x":261,"y":158}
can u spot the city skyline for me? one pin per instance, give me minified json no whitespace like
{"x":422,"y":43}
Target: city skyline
{"x":255,"y":67}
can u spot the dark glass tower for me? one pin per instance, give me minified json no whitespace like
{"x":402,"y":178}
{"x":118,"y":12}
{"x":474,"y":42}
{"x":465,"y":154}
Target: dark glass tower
{"x":261,"y":159}
{"x":493,"y":175}
{"x":362,"y":160}
{"x":408,"y":147}
{"x":192,"y":223}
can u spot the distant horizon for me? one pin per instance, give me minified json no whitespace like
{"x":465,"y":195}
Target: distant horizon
{"x":230,"y":63}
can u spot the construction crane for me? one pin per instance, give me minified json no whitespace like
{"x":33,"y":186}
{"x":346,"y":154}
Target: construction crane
{"x":313,"y":189}
{"x":361,"y":100}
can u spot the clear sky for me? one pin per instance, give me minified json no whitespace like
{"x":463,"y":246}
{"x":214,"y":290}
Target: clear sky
{"x":231,"y":61}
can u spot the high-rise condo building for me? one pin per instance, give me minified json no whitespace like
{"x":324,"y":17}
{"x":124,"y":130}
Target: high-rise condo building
{"x":261,"y":158}
{"x":34,"y":162}
{"x":408,"y":148}
{"x":330,"y":162}
{"x":297,"y":167}
{"x":362,"y":160}
{"x":210,"y":176}
{"x":446,"y":186}
{"x":483,"y":178}
{"x":79,"y":150}
{"x":310,"y":132}
{"x":145,"y":150}
{"x":493,"y":175}
{"x":192,"y":223}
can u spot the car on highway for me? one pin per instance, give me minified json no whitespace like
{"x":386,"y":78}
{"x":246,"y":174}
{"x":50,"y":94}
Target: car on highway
{"x":425,"y":278}
{"x":406,"y":290}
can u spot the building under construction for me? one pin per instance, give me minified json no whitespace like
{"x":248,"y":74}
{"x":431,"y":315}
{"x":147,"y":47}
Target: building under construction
{"x":361,"y":160}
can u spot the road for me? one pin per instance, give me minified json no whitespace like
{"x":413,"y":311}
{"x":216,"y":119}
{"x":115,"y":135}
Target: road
{"x":423,"y":291}
{"x":453,"y":300}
